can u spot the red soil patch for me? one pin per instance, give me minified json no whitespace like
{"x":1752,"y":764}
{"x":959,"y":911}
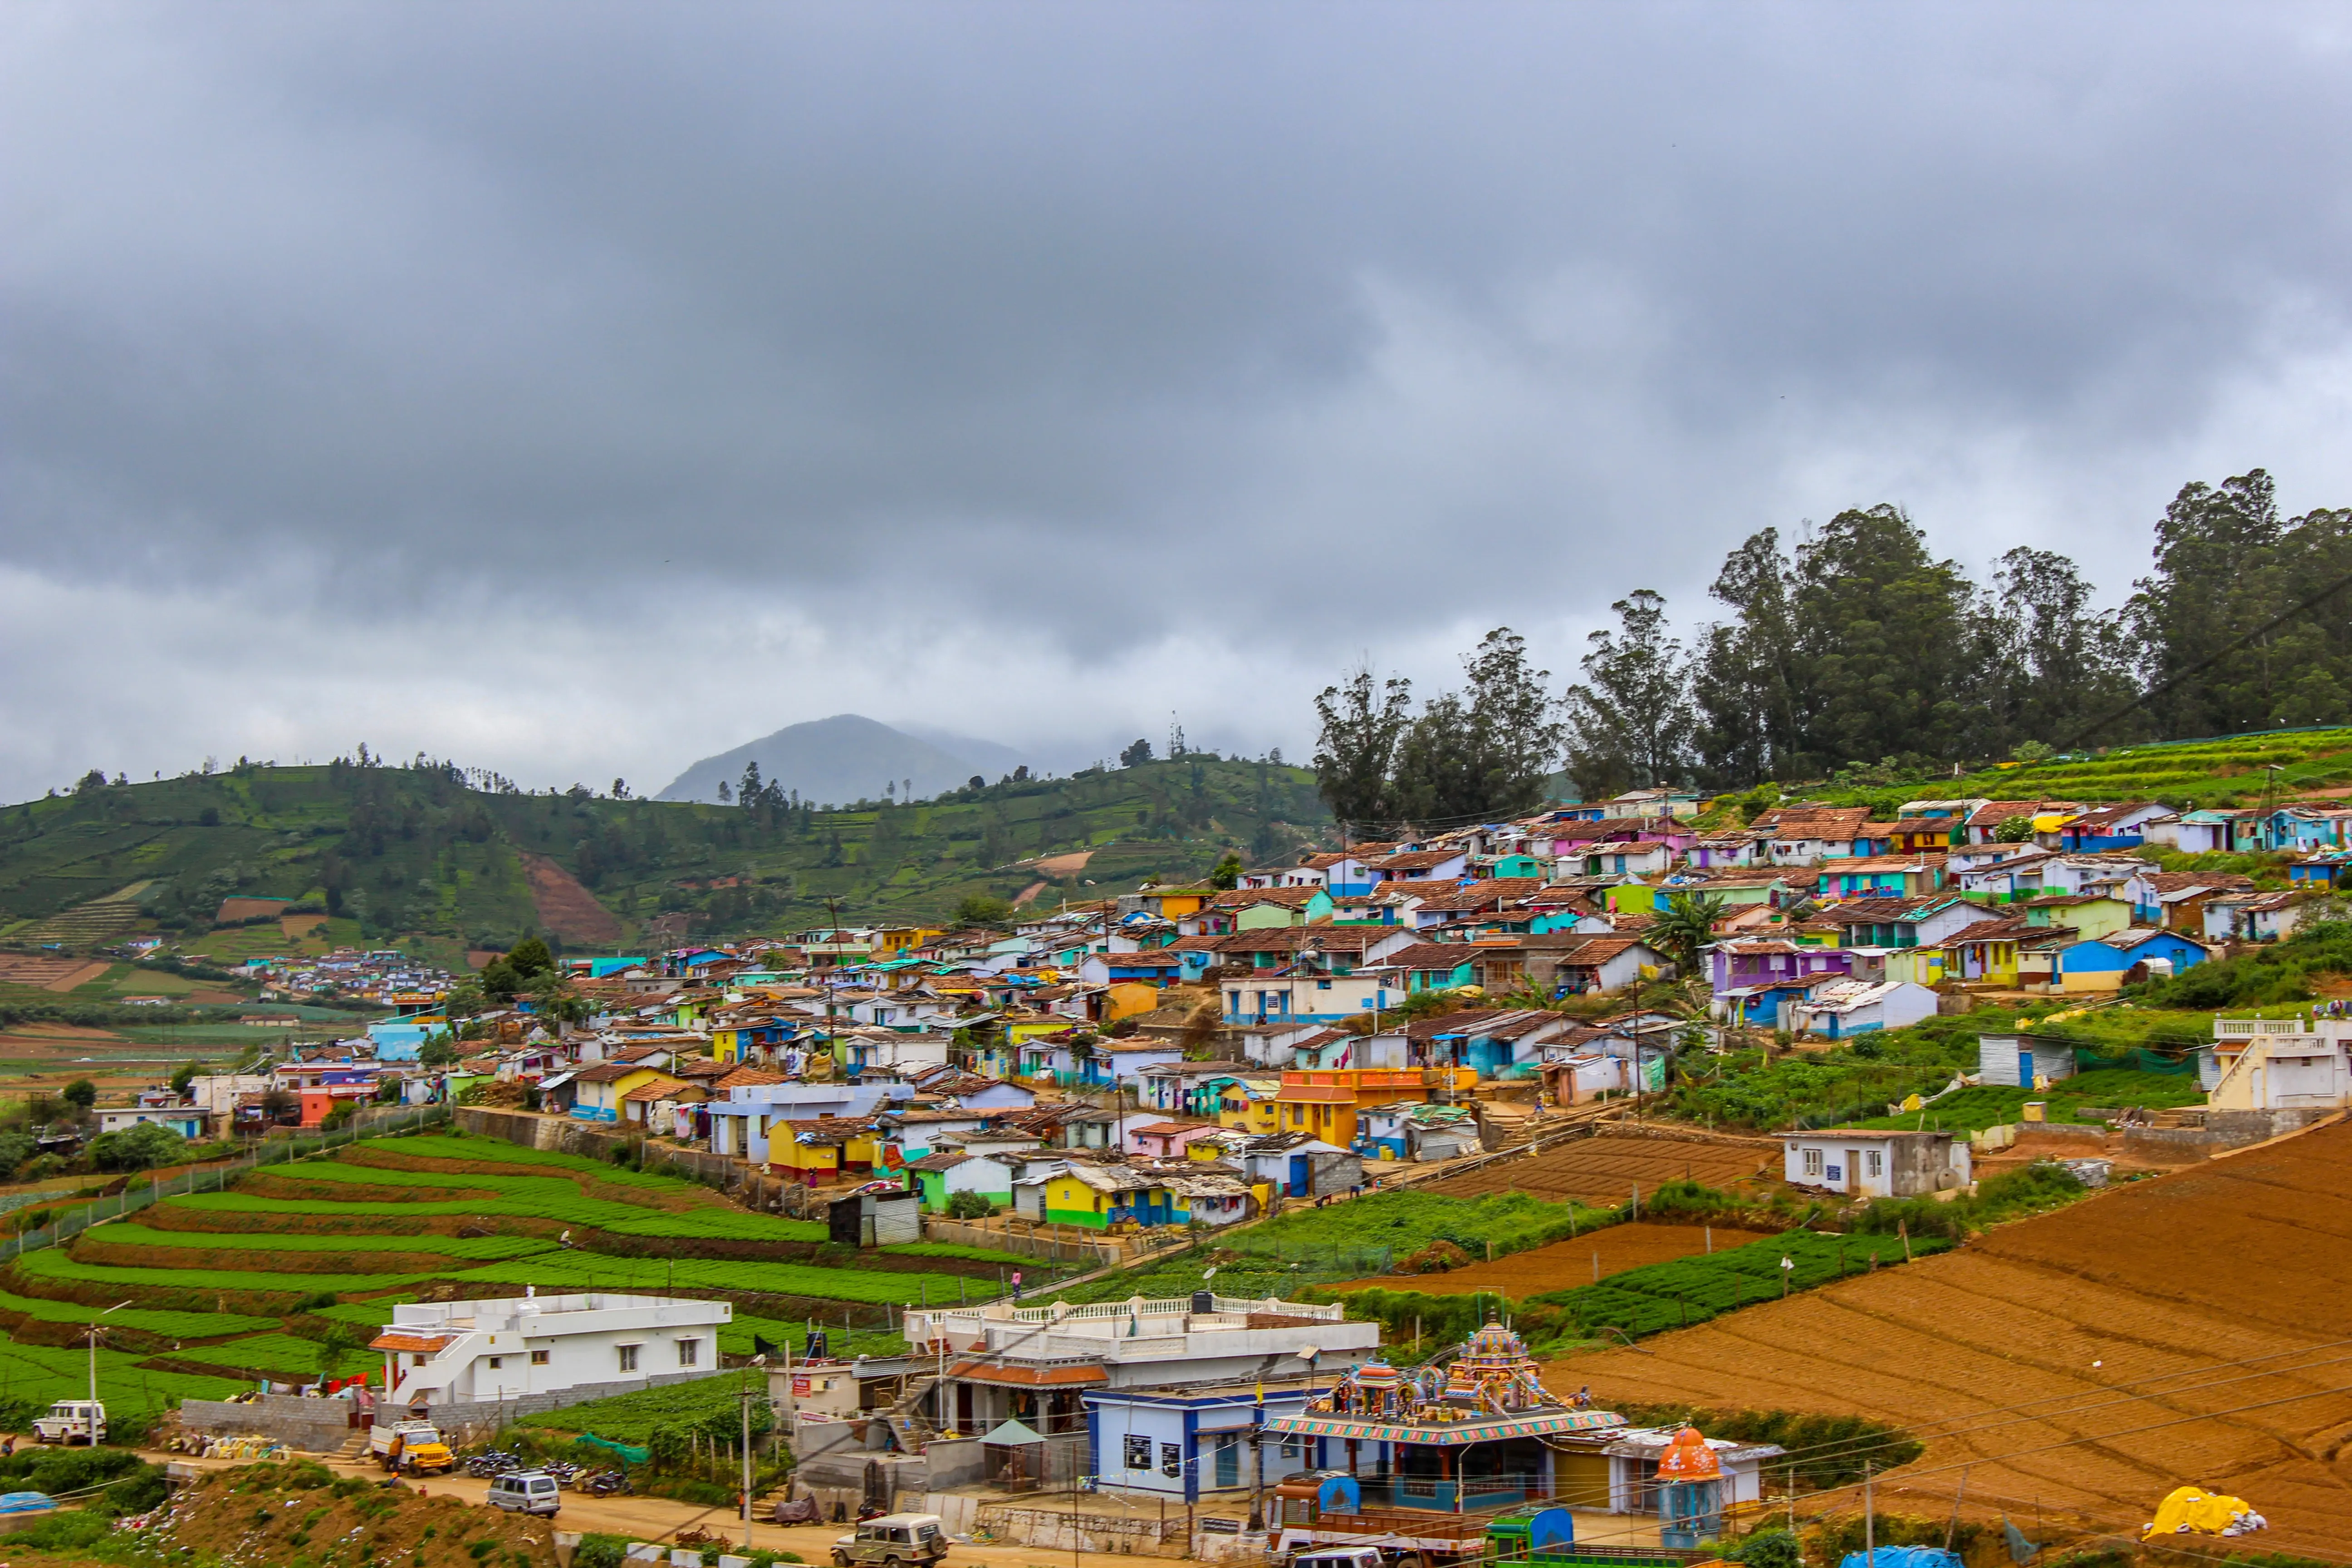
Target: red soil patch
{"x":1606,"y":1170}
{"x":1565,"y":1265}
{"x":566,"y":908}
{"x":2085,"y":1362}
{"x":1066,"y":865}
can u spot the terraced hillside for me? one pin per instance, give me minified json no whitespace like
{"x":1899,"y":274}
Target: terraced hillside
{"x":244,"y":1283}
{"x":421,"y":849}
{"x":2082,"y":1363}
{"x":2219,"y":771}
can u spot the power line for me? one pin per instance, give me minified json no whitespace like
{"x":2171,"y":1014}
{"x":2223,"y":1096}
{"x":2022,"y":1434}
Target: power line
{"x":2210,"y":660}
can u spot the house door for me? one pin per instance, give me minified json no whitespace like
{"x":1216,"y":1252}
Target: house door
{"x":1229,"y":1460}
{"x":2025,"y":1069}
{"x":1581,"y":1480}
{"x":1298,"y":1175}
{"x":1854,"y":1169}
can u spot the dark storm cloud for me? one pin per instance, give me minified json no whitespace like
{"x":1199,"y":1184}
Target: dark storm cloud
{"x":901,"y":323}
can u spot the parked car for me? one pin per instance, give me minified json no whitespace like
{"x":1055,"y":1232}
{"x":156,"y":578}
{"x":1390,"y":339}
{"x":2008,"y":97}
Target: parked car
{"x":526,"y":1491}
{"x":72,"y":1421}
{"x":894,"y":1540}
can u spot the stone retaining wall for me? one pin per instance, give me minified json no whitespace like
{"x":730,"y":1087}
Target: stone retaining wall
{"x":306,"y":1426}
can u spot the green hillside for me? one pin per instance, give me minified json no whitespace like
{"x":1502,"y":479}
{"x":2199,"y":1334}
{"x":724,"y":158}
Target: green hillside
{"x":387,"y":851}
{"x":2223,"y":770}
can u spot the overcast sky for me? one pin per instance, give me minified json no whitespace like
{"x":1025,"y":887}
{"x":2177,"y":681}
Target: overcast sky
{"x":577,"y":390}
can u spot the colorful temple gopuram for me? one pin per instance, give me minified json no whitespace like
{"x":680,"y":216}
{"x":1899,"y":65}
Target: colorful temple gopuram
{"x":1422,"y":1461}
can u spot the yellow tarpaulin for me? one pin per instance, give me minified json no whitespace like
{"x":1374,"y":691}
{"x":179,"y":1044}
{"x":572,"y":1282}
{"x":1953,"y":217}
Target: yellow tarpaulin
{"x":2193,"y":1510}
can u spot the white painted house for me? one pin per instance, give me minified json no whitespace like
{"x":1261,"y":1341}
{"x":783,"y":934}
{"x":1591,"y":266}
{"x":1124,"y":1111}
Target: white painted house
{"x":1873,"y":1164}
{"x":439,"y":1352}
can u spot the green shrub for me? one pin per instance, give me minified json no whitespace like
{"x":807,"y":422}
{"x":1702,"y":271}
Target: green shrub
{"x":138,"y":1493}
{"x":71,"y":1530}
{"x":969,"y":1205}
{"x":599,"y":1551}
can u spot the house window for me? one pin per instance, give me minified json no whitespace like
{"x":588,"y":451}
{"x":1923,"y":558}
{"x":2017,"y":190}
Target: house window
{"x":628,"y":1354}
{"x":1139,"y":1453}
{"x":538,"y":1358}
{"x":419,"y":1359}
{"x":689,"y":1353}
{"x":1322,"y":985}
{"x":1812,"y":1162}
{"x":497,"y":1362}
{"x":1873,"y":1162}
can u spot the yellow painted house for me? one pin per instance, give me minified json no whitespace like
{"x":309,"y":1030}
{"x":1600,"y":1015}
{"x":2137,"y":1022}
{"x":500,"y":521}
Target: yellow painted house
{"x":1324,"y":1103}
{"x":1250,"y":1104}
{"x":891,"y":941}
{"x":601,"y":1089}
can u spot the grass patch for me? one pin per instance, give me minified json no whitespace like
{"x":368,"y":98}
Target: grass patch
{"x":1991,"y":1105}
{"x":522,"y":1195}
{"x":583,"y":1271}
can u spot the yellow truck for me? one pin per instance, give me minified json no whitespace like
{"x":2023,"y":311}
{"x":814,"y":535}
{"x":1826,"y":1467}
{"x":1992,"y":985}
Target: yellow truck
{"x":411,"y":1448}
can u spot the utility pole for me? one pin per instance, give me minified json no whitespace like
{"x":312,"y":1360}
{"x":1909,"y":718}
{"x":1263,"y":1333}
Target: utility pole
{"x":744,"y":1395}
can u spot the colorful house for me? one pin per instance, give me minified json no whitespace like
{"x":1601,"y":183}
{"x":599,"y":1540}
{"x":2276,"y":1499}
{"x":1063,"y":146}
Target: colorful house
{"x":1323,"y":1104}
{"x":599,"y":1090}
{"x":1100,"y":1196}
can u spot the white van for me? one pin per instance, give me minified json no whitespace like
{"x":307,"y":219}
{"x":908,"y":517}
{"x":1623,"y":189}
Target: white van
{"x":526,"y":1491}
{"x":72,"y":1421}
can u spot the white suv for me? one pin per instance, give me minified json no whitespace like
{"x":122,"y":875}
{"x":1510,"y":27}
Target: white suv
{"x":526,"y":1491}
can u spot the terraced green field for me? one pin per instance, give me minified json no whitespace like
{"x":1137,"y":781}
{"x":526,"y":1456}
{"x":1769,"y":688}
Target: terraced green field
{"x":54,"y":1264}
{"x":283,"y":1354}
{"x":42,"y":1373}
{"x":522,"y":1197}
{"x":291,"y":1240}
{"x":479,"y":1248}
{"x":173,"y":1325}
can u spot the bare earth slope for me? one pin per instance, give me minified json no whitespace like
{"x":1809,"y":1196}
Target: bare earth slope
{"x":2073,"y":1363}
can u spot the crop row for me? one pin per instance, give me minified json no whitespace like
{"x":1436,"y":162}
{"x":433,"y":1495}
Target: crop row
{"x":53,"y":1263}
{"x":585,"y":1270}
{"x":556,"y":1270}
{"x":474,"y":1249}
{"x":499,"y":1151}
{"x":42,"y":1375}
{"x":1692,"y":1290}
{"x":284,"y":1354}
{"x":548,"y":1197}
{"x":172,"y":1325}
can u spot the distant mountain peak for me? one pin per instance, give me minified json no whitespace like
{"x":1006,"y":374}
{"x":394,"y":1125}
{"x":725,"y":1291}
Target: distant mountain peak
{"x":847,"y":757}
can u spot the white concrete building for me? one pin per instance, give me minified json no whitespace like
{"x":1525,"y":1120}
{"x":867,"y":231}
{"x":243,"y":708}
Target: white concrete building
{"x":438,"y":1352}
{"x":2279,"y":1064}
{"x":1041,"y":1363}
{"x":1872,"y":1164}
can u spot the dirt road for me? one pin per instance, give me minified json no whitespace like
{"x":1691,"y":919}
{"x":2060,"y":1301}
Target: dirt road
{"x":658,"y":1518}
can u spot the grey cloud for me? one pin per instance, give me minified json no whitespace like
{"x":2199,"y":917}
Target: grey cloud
{"x":1102,"y":320}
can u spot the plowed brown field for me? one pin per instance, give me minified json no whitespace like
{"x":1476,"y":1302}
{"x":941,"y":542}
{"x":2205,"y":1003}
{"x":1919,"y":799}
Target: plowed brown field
{"x":2188,"y":1328}
{"x":1606,"y":1170}
{"x":1563,"y":1265}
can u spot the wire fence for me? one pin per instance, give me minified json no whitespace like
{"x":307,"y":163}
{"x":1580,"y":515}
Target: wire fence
{"x":66,"y":1224}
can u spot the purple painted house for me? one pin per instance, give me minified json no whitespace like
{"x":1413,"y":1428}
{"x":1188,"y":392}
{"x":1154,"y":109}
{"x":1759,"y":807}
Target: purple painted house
{"x":1752,"y":976}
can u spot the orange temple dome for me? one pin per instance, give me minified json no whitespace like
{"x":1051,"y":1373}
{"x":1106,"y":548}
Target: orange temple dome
{"x":1689,"y":1459}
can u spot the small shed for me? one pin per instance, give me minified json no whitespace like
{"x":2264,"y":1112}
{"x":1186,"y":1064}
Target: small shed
{"x":876,"y":1215}
{"x":2021,"y":1061}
